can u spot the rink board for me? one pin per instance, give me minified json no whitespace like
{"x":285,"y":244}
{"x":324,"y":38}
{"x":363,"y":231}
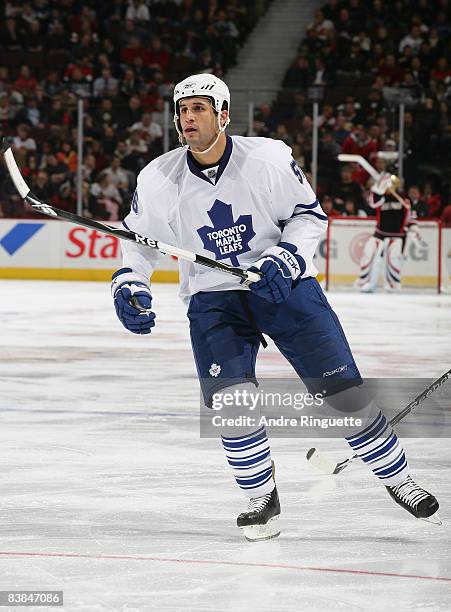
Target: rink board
{"x":54,"y":250}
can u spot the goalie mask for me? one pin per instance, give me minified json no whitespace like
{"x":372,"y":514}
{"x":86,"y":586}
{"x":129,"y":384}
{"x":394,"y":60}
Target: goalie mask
{"x":202,"y":86}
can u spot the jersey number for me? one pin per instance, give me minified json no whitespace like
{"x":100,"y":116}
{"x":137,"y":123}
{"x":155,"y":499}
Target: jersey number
{"x":297,"y":171}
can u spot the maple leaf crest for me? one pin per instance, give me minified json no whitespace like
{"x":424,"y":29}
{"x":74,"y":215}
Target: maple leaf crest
{"x":227,"y":238}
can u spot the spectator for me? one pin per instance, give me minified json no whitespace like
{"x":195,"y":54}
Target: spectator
{"x":321,"y":28}
{"x":433,"y":200}
{"x":107,"y":198}
{"x":106,"y":114}
{"x":41,"y":186}
{"x":34,"y":37}
{"x":137,"y":10}
{"x":341,"y":129}
{"x":265,"y":116}
{"x":346,"y":189}
{"x":65,"y":197}
{"x":327,"y":205}
{"x":26,"y":82}
{"x":68,"y":156}
{"x":105,"y":85}
{"x":12,"y":36}
{"x":283,"y":135}
{"x":299,"y":76}
{"x":131,"y":114}
{"x":57,"y":117}
{"x":129,"y":85}
{"x":89,"y":168}
{"x":446,"y":216}
{"x":136,"y":144}
{"x":57,"y":37}
{"x":22,"y":142}
{"x":119,"y":177}
{"x":79,"y":83}
{"x":148,"y":129}
{"x":30,"y":170}
{"x":359,"y":143}
{"x":418,"y":205}
{"x":57,"y":171}
{"x":133,"y":50}
{"x":412,"y":40}
{"x":352,"y":210}
{"x":31,"y":114}
{"x":321,"y":75}
{"x":158,"y":56}
{"x":158,"y":113}
{"x":7,"y":111}
{"x":109,"y":140}
{"x":390,"y":71}
{"x":327,"y":118}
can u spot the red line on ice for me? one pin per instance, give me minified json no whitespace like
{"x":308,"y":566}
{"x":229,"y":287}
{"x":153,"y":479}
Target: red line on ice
{"x":305,"y":568}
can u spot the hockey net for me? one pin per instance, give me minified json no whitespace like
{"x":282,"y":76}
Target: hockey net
{"x":424,"y":267}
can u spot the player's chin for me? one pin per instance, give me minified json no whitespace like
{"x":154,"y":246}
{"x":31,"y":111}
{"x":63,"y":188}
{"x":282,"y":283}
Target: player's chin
{"x":191,"y":136}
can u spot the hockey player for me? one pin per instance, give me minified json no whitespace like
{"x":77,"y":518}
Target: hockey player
{"x":246,"y":201}
{"x":394,"y":219}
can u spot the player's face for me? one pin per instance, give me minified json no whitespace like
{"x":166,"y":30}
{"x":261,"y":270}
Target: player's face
{"x":198,"y":121}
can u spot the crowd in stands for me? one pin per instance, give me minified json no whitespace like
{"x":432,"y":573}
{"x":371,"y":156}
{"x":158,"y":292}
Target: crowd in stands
{"x":357,"y":51}
{"x":122,"y":58}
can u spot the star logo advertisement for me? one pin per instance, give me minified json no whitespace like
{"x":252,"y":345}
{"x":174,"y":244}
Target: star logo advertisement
{"x":19,"y":235}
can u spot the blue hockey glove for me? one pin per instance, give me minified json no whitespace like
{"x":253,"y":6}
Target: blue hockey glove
{"x":280,"y":268}
{"x":132,"y":300}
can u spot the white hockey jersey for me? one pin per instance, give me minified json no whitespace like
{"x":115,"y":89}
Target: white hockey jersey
{"x":257,"y":198}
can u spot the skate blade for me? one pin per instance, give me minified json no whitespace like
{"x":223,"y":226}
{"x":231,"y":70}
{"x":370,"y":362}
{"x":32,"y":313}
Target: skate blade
{"x":434,"y":519}
{"x":254,"y":533}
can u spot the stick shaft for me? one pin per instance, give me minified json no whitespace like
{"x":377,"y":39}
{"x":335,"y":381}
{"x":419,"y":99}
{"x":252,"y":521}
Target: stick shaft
{"x":57,"y":213}
{"x":404,"y":412}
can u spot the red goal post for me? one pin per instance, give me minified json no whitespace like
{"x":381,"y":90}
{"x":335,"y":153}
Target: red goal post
{"x":346,"y":237}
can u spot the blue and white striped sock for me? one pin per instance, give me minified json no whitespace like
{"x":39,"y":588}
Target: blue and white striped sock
{"x":378,"y":446}
{"x":249,"y":456}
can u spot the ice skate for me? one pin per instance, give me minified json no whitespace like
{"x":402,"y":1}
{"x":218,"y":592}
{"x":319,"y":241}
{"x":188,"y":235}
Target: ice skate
{"x":261,"y":521}
{"x":367,"y":288}
{"x":415,"y":500}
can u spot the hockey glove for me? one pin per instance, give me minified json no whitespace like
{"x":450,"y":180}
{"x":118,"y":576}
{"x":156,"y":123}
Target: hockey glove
{"x":383,"y":184}
{"x":280,"y":267}
{"x":132,"y":300}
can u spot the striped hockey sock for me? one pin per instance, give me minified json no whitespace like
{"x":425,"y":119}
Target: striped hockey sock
{"x":249,"y":456}
{"x":378,"y":446}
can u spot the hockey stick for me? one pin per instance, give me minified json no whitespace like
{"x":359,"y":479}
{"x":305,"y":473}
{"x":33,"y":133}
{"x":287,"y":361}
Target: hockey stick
{"x":47,"y":209}
{"x":328,"y":466}
{"x":359,"y":159}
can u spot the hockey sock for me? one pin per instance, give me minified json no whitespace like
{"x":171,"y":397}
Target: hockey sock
{"x":249,"y":456}
{"x":378,"y":446}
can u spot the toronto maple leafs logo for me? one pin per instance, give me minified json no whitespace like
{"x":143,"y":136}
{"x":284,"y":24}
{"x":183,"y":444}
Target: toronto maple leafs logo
{"x":215,"y":370}
{"x":227,"y":238}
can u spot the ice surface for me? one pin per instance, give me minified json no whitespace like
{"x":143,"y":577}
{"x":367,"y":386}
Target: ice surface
{"x":109,"y":494}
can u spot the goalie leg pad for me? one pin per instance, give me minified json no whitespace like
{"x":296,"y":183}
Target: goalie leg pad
{"x":370,"y":264}
{"x":393,"y":263}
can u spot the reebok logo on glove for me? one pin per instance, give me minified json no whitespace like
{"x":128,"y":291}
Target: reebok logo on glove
{"x":280,"y":268}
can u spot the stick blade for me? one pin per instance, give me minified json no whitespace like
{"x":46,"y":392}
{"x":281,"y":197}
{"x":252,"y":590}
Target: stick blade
{"x":15,"y":174}
{"x":321,"y":462}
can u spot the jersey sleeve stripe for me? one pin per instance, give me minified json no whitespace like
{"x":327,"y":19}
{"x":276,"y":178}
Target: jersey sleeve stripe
{"x":310,"y":212}
{"x":314,"y":205}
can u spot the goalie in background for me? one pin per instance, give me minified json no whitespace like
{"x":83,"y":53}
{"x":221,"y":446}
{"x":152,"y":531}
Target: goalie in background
{"x":384,"y":250}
